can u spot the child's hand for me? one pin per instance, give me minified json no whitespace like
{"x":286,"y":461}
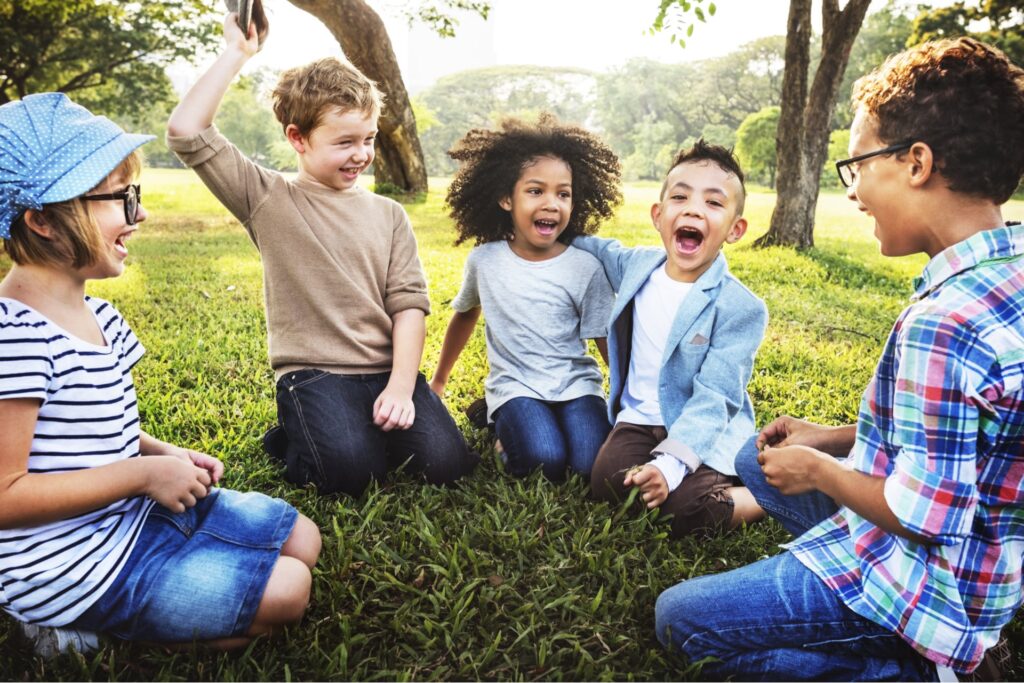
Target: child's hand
{"x":175,"y":482}
{"x":234,"y":37}
{"x":209,"y":463}
{"x":653,"y":487}
{"x":393,"y":410}
{"x":790,"y":431}
{"x":793,"y":469}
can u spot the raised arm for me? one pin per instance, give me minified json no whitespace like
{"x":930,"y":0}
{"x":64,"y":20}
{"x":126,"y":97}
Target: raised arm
{"x":196,"y":111}
{"x":460,"y":329}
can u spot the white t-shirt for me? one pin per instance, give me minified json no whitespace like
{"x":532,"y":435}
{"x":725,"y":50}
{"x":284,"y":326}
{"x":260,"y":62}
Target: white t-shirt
{"x":654,"y":310}
{"x":537,"y":315}
{"x":88,"y":417}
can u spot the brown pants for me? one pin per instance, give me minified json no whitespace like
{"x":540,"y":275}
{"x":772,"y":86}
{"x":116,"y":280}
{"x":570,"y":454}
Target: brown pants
{"x":701,"y":505}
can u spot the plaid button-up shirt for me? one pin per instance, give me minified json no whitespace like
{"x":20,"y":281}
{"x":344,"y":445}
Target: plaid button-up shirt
{"x":942,"y":421}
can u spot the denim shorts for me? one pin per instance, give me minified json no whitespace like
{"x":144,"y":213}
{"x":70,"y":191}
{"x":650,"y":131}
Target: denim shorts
{"x":196,"y":575}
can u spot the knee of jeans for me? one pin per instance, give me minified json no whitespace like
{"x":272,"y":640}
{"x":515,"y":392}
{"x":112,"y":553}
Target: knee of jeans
{"x":350,"y":473}
{"x":670,"y":610}
{"x":747,"y":467}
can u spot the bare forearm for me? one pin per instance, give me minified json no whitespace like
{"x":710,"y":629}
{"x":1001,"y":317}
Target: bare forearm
{"x":602,"y":348}
{"x":840,"y":440}
{"x":460,"y":329}
{"x":28,"y":499}
{"x":407,"y":336}
{"x":862,"y":493}
{"x":198,"y":108}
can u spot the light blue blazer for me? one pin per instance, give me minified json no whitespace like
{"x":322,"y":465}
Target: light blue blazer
{"x":708,"y":359}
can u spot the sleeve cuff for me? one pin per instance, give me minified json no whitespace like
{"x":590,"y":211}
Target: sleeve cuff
{"x":197,"y":148}
{"x":670,"y":468}
{"x":678,"y":450}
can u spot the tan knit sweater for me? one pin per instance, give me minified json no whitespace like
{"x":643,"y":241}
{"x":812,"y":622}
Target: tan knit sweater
{"x":336,"y":264}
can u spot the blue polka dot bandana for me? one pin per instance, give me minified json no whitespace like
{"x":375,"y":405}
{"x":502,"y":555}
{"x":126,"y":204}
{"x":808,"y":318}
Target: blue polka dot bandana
{"x":52,"y":150}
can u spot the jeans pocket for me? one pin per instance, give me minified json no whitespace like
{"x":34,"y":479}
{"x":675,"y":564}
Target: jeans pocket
{"x":300,"y":378}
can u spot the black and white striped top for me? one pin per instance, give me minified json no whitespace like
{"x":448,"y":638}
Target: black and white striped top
{"x":88,"y":417}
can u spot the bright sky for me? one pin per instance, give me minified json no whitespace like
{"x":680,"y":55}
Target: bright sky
{"x":542,"y":32}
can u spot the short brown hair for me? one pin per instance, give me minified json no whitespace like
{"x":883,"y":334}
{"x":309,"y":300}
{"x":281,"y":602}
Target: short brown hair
{"x":720,"y":156}
{"x":962,"y":98}
{"x":75,"y":238}
{"x":305,"y":93}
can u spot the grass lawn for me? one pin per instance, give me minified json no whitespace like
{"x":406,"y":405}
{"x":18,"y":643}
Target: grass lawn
{"x":501,"y":578}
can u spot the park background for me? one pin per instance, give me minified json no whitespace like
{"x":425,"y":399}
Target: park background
{"x":500,"y":578}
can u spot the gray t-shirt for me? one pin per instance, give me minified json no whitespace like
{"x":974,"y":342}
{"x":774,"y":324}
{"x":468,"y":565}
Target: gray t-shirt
{"x":537,"y":315}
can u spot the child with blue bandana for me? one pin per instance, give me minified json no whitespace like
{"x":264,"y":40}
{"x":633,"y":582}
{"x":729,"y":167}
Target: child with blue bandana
{"x":93,"y":537}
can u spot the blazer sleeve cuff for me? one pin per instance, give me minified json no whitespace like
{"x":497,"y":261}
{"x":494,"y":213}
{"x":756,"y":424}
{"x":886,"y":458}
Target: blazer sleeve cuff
{"x":678,"y":450}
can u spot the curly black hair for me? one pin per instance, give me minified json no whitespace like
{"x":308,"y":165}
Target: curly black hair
{"x":493,"y":160}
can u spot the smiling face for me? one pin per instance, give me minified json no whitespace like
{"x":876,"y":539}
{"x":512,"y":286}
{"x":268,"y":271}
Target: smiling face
{"x":113,"y":229}
{"x":697,"y":214}
{"x":541,"y":205}
{"x":337,"y":150}
{"x":880,"y":190}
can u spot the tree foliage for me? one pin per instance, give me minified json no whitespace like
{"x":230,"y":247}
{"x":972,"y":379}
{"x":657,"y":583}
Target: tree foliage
{"x":479,"y":97}
{"x":110,"y":56}
{"x":755,"y":145}
{"x":998,"y":22}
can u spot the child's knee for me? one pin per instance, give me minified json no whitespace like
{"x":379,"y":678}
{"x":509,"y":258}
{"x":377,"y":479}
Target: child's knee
{"x":304,"y":542}
{"x":286,"y":596}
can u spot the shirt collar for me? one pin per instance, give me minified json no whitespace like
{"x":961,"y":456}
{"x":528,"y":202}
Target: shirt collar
{"x":987,"y":245}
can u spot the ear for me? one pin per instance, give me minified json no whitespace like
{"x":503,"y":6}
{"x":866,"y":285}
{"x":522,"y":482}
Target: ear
{"x":738,"y":229}
{"x":296,"y":139}
{"x":505,"y":203}
{"x":655,"y":214}
{"x":36,"y":222}
{"x":921,"y":164}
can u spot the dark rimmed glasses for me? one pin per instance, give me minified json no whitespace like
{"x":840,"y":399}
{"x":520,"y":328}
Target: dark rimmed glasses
{"x":847,"y":168}
{"x":131,"y":196}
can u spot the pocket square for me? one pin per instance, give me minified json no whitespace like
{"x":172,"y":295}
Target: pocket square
{"x":699,"y":339}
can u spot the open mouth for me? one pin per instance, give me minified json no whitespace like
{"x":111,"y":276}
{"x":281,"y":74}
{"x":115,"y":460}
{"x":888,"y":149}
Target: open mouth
{"x":688,"y":240}
{"x":545,"y":227}
{"x":352,"y":172}
{"x":119,"y":243}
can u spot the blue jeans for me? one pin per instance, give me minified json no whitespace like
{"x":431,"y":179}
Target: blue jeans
{"x":797,"y":513}
{"x":333,"y":443}
{"x":552,"y":435}
{"x":198,"y":574}
{"x":775,"y":620}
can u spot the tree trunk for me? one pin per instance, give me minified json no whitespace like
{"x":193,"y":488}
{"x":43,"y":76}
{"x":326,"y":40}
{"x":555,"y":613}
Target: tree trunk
{"x":365,"y":42}
{"x":801,"y":144}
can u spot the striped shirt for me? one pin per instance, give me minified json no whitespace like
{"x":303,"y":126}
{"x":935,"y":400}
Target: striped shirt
{"x":88,"y":417}
{"x":942,"y":421}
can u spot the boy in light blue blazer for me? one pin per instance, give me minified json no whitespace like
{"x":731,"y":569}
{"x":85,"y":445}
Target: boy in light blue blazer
{"x":681,"y":346}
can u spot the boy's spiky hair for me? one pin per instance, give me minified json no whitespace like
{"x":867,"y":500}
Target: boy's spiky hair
{"x":492,"y":161}
{"x":965,"y":100}
{"x":722,"y":157}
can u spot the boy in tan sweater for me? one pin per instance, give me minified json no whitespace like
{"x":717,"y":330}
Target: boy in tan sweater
{"x":344,"y":289}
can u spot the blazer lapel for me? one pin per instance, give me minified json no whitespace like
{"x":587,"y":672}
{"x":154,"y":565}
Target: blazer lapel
{"x":693,"y":305}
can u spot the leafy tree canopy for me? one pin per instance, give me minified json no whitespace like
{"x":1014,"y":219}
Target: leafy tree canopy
{"x":108,"y":55}
{"x":755,"y":145}
{"x":998,"y":22}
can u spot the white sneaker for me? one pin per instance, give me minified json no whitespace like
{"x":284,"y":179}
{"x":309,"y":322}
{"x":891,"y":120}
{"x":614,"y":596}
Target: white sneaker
{"x":50,"y":641}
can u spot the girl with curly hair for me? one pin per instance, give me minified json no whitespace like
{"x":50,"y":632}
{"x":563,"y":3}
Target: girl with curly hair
{"x":523,"y":192}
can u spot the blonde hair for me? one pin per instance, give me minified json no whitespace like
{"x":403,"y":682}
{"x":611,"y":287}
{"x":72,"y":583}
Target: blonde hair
{"x":75,"y":238}
{"x":304,"y":94}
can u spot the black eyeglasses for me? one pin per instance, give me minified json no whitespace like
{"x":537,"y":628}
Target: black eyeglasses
{"x":131,"y":196}
{"x":848,"y":172}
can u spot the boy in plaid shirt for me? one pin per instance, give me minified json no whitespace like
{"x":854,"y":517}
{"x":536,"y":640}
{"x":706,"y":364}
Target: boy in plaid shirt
{"x":908,"y":553}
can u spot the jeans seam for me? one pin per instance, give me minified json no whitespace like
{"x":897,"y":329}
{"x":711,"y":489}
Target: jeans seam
{"x":726,"y":630}
{"x":309,"y":438}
